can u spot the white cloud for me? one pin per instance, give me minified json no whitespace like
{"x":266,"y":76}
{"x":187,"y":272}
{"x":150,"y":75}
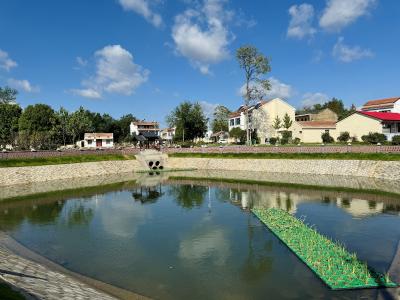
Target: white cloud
{"x":345,"y":53}
{"x":341,"y":13}
{"x":201,"y":34}
{"x":309,"y":99}
{"x":115,"y":73}
{"x":278,"y":90}
{"x":6,"y":62}
{"x":87,"y":93}
{"x":300,"y":25}
{"x":24,"y":85}
{"x":142,"y":7}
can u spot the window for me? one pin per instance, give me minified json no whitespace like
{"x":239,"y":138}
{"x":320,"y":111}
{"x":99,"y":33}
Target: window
{"x":108,"y":142}
{"x":326,"y":130}
{"x":89,"y":142}
{"x":237,"y":121}
{"x":232,"y":122}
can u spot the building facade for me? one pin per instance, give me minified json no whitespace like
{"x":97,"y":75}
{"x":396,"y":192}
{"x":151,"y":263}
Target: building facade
{"x":383,"y":105}
{"x":363,"y":122}
{"x":261,"y":117}
{"x":323,"y":115}
{"x":97,"y":140}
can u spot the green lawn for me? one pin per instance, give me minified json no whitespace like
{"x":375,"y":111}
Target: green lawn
{"x":24,"y":162}
{"x":340,"y":156}
{"x":6,"y":293}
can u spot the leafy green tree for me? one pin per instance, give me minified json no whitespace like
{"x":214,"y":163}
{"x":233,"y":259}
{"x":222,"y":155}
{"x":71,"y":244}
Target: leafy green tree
{"x":277,"y":124}
{"x":238,"y":134}
{"x":189,"y":120}
{"x":79,"y":123}
{"x":121,"y":127}
{"x":8,"y":95}
{"x":287,"y":121}
{"x":9,"y":116}
{"x":63,"y":120}
{"x":221,"y":119}
{"x":37,"y":127}
{"x":255,"y":66}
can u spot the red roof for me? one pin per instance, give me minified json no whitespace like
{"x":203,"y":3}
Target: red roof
{"x":383,"y":116}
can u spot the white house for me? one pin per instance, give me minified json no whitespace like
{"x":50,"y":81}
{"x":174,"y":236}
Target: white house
{"x":97,"y":140}
{"x":167,"y":134}
{"x":383,"y":105}
{"x":262,"y":116}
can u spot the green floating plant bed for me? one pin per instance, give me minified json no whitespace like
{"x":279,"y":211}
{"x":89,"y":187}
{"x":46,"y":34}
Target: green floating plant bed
{"x":338,"y":268}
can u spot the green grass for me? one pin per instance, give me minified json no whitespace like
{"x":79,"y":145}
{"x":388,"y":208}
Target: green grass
{"x":338,"y":156}
{"x":7,"y":293}
{"x":338,"y":268}
{"x":312,"y":187}
{"x":41,"y":161}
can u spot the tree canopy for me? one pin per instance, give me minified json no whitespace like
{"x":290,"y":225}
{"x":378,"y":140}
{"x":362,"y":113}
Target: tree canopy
{"x":221,"y":119}
{"x":189,"y":120}
{"x":8,"y":95}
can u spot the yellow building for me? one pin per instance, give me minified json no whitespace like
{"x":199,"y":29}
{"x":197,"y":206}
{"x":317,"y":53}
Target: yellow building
{"x":311,"y":131}
{"x":363,"y":122}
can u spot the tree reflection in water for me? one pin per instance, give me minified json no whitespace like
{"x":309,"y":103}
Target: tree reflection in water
{"x":79,"y":214}
{"x":188,"y":196}
{"x":147,"y":194}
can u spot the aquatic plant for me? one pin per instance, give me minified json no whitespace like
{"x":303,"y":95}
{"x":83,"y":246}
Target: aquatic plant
{"x":330,"y":260}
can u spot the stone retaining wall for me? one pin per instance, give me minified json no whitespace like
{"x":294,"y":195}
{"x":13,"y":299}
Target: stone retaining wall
{"x":26,"y":175}
{"x":389,"y":170}
{"x":289,"y":149}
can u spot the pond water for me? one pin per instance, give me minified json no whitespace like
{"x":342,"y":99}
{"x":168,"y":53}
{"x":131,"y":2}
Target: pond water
{"x":190,"y":240}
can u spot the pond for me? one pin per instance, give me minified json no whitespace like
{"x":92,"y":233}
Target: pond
{"x":198,"y":240}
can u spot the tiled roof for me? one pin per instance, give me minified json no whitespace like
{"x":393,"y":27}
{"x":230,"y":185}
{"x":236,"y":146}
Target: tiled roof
{"x":381,"y":102}
{"x":317,"y":124}
{"x":98,"y":135}
{"x":234,"y":114}
{"x":383,"y":116}
{"x":146,"y":123}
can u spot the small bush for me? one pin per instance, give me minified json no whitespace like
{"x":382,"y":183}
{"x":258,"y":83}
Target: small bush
{"x":374,"y":138}
{"x":286,"y":137}
{"x":296,"y":141}
{"x":273,"y":140}
{"x":326,"y":138}
{"x":344,"y":137}
{"x":354,"y":139}
{"x":396,"y":140}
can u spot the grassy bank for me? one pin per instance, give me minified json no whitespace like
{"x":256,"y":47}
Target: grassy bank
{"x":339,"y":156}
{"x":41,"y":161}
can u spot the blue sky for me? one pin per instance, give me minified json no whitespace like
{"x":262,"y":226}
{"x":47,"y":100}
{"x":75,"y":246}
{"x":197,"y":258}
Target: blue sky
{"x":145,"y":56}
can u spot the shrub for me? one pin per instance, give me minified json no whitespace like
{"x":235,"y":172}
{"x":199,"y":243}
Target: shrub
{"x":354,"y":139}
{"x":374,"y":138}
{"x":326,"y":138}
{"x":396,"y":140}
{"x":273,"y":140}
{"x":286,"y":137}
{"x":344,"y":137}
{"x":296,"y":141}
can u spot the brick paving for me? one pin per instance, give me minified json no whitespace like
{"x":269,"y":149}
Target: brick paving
{"x":39,"y":281}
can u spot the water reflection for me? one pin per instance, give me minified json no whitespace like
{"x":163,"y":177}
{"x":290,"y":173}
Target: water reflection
{"x":188,"y":196}
{"x":147,"y":194}
{"x":141,"y":239}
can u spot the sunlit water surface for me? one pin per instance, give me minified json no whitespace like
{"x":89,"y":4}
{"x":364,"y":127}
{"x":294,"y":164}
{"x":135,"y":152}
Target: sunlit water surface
{"x":183,"y":241}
